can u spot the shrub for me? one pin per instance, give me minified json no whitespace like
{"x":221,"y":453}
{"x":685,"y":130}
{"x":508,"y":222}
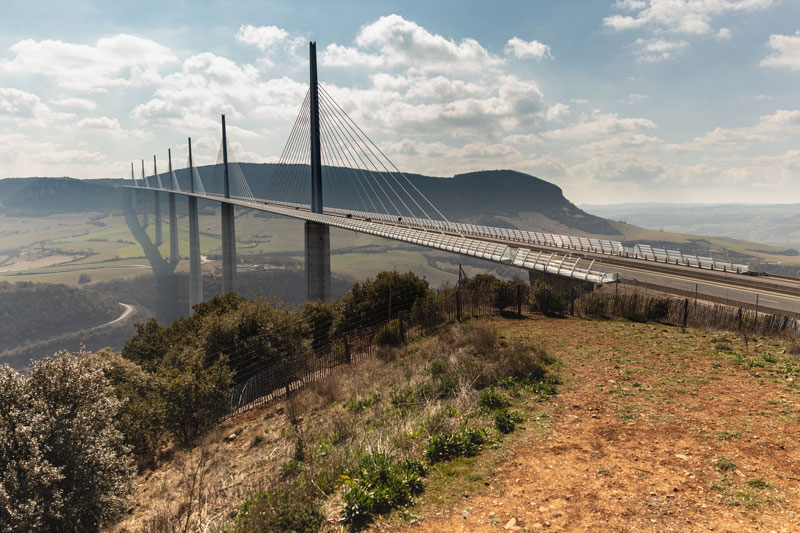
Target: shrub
{"x":63,"y":464}
{"x":595,"y":304}
{"x":278,"y":511}
{"x":481,"y":337}
{"x":391,"y":334}
{"x":506,"y":420}
{"x":365,"y":302}
{"x":141,"y":417}
{"x":546,"y":299}
{"x":195,"y":395}
{"x":656,"y":308}
{"x":492,"y":399}
{"x":383,"y":483}
{"x":427,"y":311}
{"x":445,"y":445}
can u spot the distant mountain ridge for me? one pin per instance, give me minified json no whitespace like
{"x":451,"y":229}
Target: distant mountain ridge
{"x":490,"y":197}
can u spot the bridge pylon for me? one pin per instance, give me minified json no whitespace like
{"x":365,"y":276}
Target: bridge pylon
{"x":228,"y":228}
{"x":174,"y":252}
{"x":317,"y":236}
{"x":195,"y":269}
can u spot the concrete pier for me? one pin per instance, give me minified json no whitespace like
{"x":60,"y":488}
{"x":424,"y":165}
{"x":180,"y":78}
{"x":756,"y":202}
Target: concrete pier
{"x":195,"y":270}
{"x":195,"y":267}
{"x":561,"y":283}
{"x":174,"y":253}
{"x":318,"y":262}
{"x":157,"y":219}
{"x":228,"y":250}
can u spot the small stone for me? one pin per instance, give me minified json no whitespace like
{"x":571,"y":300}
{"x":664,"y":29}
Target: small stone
{"x":492,"y":514}
{"x":231,"y":437}
{"x":511,"y":524}
{"x":682,"y":457}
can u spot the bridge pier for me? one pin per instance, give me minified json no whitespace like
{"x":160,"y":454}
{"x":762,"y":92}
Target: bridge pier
{"x":561,"y":283}
{"x":195,"y":270}
{"x":228,"y":249}
{"x":174,"y":254}
{"x":157,"y":219}
{"x":318,"y":262}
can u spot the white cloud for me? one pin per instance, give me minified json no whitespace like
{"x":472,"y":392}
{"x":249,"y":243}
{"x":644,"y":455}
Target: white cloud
{"x":723,"y":34}
{"x":27,"y":108}
{"x":768,"y":129}
{"x":785,"y":52}
{"x":75,"y":103}
{"x":392,"y":41}
{"x":558,"y":112}
{"x":693,"y":17}
{"x":600,"y":124}
{"x":523,"y":49}
{"x":263,"y":37}
{"x":113,"y":61}
{"x":657,"y":50}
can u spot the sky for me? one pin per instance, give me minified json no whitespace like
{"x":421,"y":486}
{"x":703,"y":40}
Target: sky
{"x":612,"y":100}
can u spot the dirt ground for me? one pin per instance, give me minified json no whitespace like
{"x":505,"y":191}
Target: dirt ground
{"x":655,"y":429}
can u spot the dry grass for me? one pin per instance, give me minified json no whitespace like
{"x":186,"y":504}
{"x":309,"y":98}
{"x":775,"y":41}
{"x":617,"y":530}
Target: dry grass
{"x":390,"y":404}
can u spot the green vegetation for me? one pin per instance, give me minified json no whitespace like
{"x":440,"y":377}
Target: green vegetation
{"x":62,"y":457}
{"x":382,"y":483}
{"x":25,"y":307}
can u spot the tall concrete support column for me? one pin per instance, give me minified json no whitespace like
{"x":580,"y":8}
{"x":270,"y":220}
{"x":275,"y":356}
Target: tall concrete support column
{"x":318,"y":262}
{"x":228,"y":229}
{"x":157,"y":209}
{"x":195,"y":271}
{"x":133,"y":191}
{"x":228,"y":249}
{"x":174,"y":252}
{"x":145,"y":215}
{"x":317,"y":236}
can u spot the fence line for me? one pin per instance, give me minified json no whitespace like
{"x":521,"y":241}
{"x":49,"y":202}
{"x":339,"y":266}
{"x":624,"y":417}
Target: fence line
{"x":276,"y":379}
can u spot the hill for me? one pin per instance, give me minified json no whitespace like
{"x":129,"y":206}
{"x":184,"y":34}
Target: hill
{"x":43,"y":196}
{"x":26,"y":307}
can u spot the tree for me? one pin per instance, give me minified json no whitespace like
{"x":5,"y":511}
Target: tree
{"x":385,"y":297}
{"x":66,"y":465}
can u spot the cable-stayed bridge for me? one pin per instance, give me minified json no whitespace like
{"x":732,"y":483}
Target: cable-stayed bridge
{"x":331,"y":174}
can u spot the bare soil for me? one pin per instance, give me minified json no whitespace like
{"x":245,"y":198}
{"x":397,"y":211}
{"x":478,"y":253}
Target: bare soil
{"x":655,"y":429}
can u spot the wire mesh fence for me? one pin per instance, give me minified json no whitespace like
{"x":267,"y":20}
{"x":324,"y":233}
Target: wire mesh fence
{"x":275,"y":379}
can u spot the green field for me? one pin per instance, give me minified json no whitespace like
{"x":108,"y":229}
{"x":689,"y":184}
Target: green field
{"x":60,"y":248}
{"x":102,"y":247}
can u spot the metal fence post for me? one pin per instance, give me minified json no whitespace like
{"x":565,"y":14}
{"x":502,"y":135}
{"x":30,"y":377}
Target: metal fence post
{"x":458,"y":306}
{"x":519,"y":300}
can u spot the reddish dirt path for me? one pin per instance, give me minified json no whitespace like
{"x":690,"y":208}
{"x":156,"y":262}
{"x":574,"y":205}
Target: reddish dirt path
{"x":636,"y":435}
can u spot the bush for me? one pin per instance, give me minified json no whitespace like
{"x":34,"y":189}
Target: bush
{"x":492,"y":399}
{"x":391,"y":334}
{"x":546,"y":300}
{"x":367,"y":302}
{"x":383,"y":483}
{"x":278,"y":511}
{"x":445,"y":445}
{"x":195,"y":395}
{"x":656,"y":308}
{"x":141,"y":417}
{"x":506,"y":420}
{"x":63,"y":464}
{"x":427,"y":311}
